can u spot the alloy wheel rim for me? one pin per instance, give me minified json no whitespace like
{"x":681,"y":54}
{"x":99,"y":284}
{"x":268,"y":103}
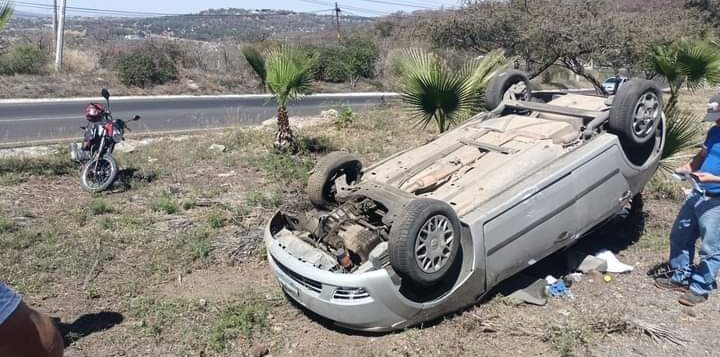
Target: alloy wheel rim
{"x":646,"y":115}
{"x":434,"y":244}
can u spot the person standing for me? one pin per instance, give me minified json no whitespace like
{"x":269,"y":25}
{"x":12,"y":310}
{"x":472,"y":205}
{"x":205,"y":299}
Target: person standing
{"x":699,"y":217}
{"x":25,"y":332}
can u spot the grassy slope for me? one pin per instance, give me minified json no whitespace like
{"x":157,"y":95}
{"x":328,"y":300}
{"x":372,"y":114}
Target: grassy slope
{"x":176,"y":252}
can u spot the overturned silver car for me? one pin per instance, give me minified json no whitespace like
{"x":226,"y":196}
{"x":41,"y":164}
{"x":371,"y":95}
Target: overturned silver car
{"x":431,"y":230}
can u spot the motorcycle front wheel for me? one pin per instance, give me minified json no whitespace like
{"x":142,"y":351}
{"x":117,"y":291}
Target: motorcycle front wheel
{"x":98,"y":175}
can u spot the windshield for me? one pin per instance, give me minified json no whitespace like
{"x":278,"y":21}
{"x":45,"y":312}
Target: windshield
{"x":613,"y":80}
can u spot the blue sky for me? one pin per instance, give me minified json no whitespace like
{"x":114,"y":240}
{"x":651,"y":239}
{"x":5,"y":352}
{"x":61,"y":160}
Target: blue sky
{"x":360,"y":7}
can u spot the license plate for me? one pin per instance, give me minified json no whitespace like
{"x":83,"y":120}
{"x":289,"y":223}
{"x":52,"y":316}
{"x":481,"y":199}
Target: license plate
{"x":290,"y":287}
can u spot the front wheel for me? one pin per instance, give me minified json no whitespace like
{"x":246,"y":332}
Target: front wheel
{"x":98,"y":175}
{"x":424,"y":241}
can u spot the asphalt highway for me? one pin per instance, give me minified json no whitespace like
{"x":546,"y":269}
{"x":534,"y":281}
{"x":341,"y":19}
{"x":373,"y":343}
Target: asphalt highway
{"x":46,"y":120}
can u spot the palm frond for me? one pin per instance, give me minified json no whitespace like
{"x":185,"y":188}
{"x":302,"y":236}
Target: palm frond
{"x":433,"y":93}
{"x":289,"y":73}
{"x":6,"y":11}
{"x":665,"y":62}
{"x":698,"y":61}
{"x":683,"y":133}
{"x":256,"y":61}
{"x":691,"y":63}
{"x":493,"y":63}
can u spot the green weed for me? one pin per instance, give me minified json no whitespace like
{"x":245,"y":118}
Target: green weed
{"x":216,"y":218}
{"x":5,"y":225}
{"x":238,"y":318}
{"x":99,"y":206}
{"x":164,"y":203}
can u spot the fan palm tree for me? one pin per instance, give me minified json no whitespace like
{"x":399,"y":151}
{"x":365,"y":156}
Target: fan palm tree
{"x":683,"y":133}
{"x":686,"y":63}
{"x":257,"y":62}
{"x":289,"y":76}
{"x":6,"y":12}
{"x":437,"y":94}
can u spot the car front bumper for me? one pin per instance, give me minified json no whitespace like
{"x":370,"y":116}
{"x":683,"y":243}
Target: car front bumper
{"x":369,"y":301}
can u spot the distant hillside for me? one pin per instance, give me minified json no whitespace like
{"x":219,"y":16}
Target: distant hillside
{"x":208,"y":25}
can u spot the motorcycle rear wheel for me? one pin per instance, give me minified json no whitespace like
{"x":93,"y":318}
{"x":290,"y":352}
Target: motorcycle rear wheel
{"x":98,"y":179}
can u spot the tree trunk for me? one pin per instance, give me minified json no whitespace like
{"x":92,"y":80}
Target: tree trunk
{"x":575,"y":65}
{"x":285,"y":139}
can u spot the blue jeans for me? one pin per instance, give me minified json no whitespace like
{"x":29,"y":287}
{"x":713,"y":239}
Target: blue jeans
{"x":9,"y":301}
{"x":699,"y":217}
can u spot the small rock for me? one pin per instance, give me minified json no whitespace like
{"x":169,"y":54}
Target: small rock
{"x":151,"y":159}
{"x":228,"y":174}
{"x":202,"y":302}
{"x":329,"y":114}
{"x":192,"y":85}
{"x":259,"y":351}
{"x":689,"y":311}
{"x":217,"y":147}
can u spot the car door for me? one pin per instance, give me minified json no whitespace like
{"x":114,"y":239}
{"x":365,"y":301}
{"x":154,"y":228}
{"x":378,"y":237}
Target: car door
{"x":602,"y":188}
{"x":533,"y":228}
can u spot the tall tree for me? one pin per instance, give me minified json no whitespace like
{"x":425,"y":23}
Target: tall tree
{"x":573,"y":34}
{"x":289,"y":76}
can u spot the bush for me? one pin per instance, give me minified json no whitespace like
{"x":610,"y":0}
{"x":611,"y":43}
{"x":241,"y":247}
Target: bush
{"x":351,"y":59}
{"x":332,"y":67}
{"x":23,"y":59}
{"x":146,"y":67}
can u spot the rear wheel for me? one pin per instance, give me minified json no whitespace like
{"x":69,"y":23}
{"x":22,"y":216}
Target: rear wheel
{"x":512,"y":84}
{"x":98,"y":175}
{"x":321,"y":186}
{"x":636,"y":112}
{"x":424,"y":241}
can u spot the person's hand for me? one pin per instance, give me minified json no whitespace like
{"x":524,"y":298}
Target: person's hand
{"x":683,"y":170}
{"x":704,"y":177}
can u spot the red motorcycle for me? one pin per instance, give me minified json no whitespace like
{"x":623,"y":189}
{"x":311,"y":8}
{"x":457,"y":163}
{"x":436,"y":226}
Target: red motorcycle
{"x":99,"y":168}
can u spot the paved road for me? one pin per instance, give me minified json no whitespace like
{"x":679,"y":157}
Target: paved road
{"x":23,"y":121}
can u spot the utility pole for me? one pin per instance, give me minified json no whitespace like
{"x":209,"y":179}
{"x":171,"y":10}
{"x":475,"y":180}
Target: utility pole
{"x":337,"y":20}
{"x":55,"y":21}
{"x":60,"y":37}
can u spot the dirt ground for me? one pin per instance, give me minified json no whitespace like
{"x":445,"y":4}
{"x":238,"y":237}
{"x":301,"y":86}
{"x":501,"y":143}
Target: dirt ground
{"x":170,"y":264}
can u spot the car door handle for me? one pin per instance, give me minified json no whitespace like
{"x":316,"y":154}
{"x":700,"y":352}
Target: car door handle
{"x":563,"y":237}
{"x":625,"y":196}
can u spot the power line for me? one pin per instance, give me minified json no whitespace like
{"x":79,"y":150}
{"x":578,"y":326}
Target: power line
{"x":348,"y":7}
{"x":98,"y":11}
{"x":384,"y":2}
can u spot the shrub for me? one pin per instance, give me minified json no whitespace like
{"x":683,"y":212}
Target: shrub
{"x":331,"y":65}
{"x":23,"y":59}
{"x":351,"y":59}
{"x":345,"y":118}
{"x":146,"y":67}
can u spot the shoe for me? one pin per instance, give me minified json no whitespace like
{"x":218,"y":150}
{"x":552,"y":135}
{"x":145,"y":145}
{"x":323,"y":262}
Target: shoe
{"x":669,"y":284}
{"x":690,"y":298}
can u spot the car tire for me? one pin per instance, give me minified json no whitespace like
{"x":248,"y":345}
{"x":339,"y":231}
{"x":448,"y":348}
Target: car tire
{"x":499,"y":88}
{"x":636,"y":112}
{"x":321,"y":183}
{"x":424,"y":241}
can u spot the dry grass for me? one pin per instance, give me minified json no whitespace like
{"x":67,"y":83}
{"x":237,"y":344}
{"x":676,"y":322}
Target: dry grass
{"x":176,"y":250}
